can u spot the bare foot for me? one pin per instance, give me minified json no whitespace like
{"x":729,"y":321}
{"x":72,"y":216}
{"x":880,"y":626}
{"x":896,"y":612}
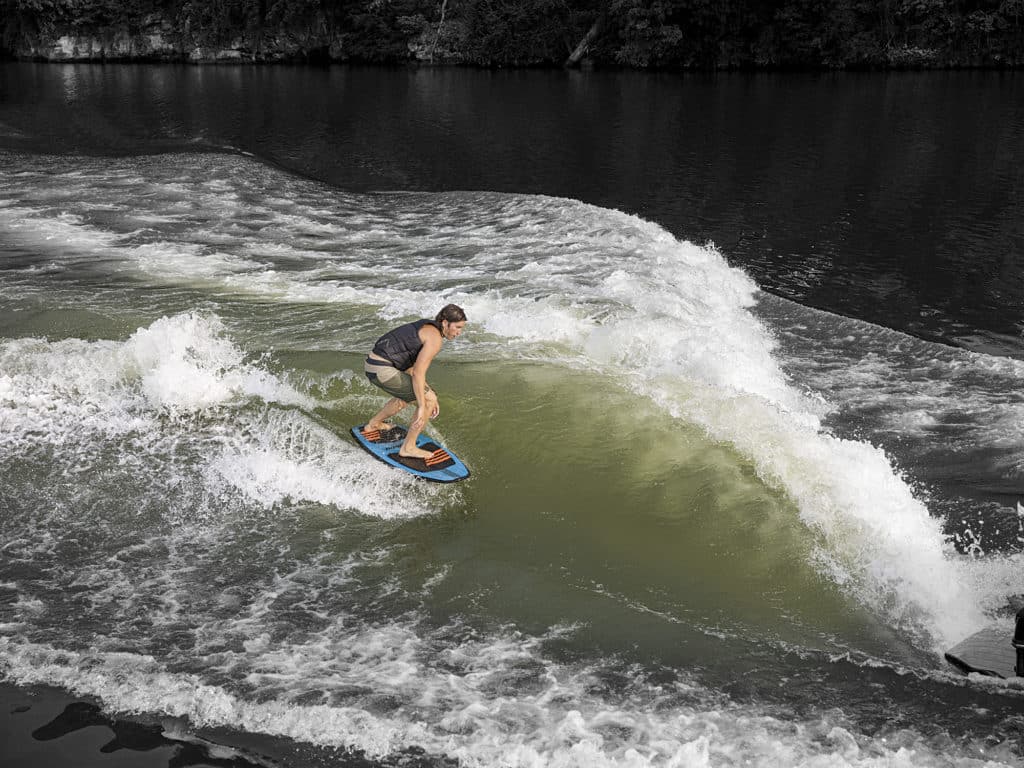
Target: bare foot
{"x":415,"y":453}
{"x":382,"y":427}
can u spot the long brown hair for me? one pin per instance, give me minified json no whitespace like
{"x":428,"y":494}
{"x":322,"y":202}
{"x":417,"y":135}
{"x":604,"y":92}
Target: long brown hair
{"x":453,"y":313}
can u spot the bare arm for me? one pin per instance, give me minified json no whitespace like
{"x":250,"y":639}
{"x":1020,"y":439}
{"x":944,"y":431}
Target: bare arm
{"x":431,"y":339}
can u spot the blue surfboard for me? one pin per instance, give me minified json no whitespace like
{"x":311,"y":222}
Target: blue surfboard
{"x":442,"y":467}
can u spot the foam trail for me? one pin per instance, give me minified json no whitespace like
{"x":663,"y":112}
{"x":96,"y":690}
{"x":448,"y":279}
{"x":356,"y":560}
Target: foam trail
{"x":542,"y":278}
{"x":459,"y":711}
{"x":186,"y":362}
{"x":225,"y":413}
{"x":182,"y":364}
{"x":293,"y":459}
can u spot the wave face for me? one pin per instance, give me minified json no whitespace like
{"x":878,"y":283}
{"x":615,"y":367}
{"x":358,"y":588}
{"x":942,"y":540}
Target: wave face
{"x":678,"y":481}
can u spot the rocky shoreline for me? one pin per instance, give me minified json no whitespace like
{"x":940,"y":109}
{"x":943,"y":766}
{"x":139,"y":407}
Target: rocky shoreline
{"x":160,"y":42}
{"x":120,"y":46}
{"x":185,"y":35}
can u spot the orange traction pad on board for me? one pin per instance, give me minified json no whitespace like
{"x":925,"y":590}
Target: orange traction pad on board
{"x":438,"y":459}
{"x":392,"y":435}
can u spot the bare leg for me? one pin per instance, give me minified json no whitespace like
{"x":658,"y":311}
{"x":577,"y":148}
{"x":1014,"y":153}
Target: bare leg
{"x":391,"y":408}
{"x":409,"y":448}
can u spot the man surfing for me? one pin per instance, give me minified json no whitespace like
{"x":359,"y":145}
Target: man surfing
{"x":398,"y":365}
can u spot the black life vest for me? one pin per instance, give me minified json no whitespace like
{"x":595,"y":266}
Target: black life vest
{"x":402,"y":346}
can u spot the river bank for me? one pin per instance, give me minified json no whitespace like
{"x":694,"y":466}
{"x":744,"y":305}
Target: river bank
{"x":678,"y":36}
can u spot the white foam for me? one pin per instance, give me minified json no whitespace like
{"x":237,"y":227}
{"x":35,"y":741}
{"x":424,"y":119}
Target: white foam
{"x":64,"y":234}
{"x":78,"y":396}
{"x":182,"y":363}
{"x":880,"y":543}
{"x":186,"y":362}
{"x":296,"y":460}
{"x":540,"y":278}
{"x":59,"y":392}
{"x":454,"y":705}
{"x":187,"y":263}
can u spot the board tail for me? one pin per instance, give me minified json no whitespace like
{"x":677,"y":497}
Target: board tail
{"x":438,"y":459}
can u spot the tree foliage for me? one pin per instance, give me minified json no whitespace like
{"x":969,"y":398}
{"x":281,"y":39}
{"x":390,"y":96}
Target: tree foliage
{"x":698,"y":34}
{"x":495,"y":32}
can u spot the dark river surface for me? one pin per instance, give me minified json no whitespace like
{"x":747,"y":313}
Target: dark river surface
{"x":896,"y":198}
{"x":740,"y":391}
